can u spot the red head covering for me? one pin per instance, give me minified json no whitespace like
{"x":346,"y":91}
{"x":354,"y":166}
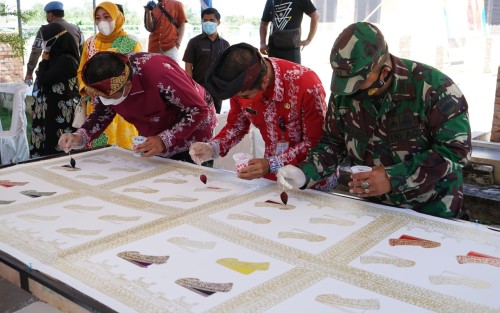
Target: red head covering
{"x":110,"y":85}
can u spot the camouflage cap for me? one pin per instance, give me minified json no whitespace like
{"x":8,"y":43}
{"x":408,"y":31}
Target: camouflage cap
{"x":356,"y":50}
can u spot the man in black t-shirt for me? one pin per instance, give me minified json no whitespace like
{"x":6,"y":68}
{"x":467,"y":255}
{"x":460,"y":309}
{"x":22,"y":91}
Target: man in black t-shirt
{"x":286,"y":15}
{"x":202,"y":50}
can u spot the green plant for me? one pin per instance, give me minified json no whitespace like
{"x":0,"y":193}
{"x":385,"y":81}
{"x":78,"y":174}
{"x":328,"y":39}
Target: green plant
{"x":15,"y":40}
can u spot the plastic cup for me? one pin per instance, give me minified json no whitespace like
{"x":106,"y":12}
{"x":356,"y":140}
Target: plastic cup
{"x":241,"y":160}
{"x":137,"y":140}
{"x":344,"y":174}
{"x":360,"y":169}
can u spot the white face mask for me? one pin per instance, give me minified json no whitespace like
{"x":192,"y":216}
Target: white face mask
{"x":106,"y":28}
{"x":111,"y":101}
{"x":52,"y":41}
{"x":44,"y":47}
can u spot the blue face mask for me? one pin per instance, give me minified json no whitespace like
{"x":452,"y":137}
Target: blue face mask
{"x":209,"y":27}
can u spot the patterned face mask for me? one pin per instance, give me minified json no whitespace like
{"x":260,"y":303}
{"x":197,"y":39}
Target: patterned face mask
{"x":45,"y":44}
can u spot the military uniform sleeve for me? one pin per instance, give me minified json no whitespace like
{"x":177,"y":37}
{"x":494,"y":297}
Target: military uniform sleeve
{"x":322,"y":160}
{"x":448,"y":124}
{"x":36,"y":51}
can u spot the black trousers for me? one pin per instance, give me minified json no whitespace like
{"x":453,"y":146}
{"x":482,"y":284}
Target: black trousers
{"x":292,"y":55}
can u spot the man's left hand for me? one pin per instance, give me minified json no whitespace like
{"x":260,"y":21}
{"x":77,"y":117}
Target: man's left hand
{"x":304,"y":43}
{"x":377,"y":181}
{"x":256,"y":168}
{"x":153,"y":146}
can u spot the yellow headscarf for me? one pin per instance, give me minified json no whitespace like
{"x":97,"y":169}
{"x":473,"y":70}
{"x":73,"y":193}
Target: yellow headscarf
{"x":117,"y":17}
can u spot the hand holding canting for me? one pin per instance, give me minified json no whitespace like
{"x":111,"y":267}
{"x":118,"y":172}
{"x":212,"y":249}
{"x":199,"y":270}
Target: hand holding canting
{"x":377,"y":180}
{"x":201,"y":152}
{"x":68,"y":142}
{"x":290,"y":177}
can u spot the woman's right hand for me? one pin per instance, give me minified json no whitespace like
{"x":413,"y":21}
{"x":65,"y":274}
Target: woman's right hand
{"x":68,"y":142}
{"x":201,"y":152}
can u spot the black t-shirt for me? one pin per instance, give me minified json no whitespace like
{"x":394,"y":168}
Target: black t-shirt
{"x":288,"y":13}
{"x":202,"y":52}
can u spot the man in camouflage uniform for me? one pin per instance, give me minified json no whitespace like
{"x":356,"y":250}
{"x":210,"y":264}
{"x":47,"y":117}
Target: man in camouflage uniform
{"x":404,"y":119}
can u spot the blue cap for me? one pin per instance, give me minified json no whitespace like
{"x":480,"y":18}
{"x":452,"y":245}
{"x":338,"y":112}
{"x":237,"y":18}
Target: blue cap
{"x":53,"y":6}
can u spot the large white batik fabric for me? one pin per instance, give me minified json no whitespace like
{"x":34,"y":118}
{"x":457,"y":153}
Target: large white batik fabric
{"x":147,"y":235}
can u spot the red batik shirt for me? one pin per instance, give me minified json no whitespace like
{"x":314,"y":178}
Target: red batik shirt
{"x":164,"y":101}
{"x":291,"y":110}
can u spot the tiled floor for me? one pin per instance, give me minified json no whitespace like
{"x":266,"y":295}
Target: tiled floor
{"x":17,"y":300}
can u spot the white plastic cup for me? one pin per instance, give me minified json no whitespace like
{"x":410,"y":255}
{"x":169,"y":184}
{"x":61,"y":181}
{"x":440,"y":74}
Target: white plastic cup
{"x":241,"y":160}
{"x":137,"y":140}
{"x":360,"y":169}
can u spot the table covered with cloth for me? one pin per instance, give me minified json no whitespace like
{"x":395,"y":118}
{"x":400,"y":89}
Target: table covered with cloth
{"x":147,"y":235}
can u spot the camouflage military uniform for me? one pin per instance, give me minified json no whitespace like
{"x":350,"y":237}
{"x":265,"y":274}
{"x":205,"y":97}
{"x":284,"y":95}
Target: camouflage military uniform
{"x":419,"y":132}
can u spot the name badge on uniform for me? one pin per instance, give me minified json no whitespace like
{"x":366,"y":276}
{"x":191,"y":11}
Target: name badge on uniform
{"x":281,"y":147}
{"x":251,"y":111}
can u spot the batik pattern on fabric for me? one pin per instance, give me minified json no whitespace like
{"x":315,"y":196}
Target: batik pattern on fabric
{"x":296,"y":98}
{"x":227,"y":254}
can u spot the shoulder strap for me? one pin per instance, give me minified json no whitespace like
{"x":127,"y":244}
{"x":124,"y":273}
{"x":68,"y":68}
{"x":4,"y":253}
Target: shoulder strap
{"x":170,"y":18}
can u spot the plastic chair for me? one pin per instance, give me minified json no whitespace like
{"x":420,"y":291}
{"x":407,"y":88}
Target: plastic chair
{"x":14,"y":141}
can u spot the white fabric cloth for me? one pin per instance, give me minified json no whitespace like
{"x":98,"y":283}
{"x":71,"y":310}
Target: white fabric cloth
{"x":14,"y":142}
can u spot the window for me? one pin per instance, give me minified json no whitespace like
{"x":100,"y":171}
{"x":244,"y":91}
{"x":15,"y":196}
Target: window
{"x":368,"y":10}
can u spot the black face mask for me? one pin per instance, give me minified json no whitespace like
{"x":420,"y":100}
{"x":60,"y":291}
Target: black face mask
{"x":363,"y":94}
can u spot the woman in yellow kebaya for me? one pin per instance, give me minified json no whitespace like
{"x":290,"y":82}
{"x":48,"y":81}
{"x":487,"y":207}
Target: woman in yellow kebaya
{"x":111,"y":37}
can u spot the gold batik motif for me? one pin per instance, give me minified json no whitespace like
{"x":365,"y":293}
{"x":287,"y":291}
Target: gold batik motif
{"x":336,"y":301}
{"x":250,"y":217}
{"x":386,"y":259}
{"x":301,"y":234}
{"x":457,"y":279}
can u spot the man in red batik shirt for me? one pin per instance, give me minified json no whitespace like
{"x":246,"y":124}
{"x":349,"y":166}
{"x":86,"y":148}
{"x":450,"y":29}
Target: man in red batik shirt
{"x":284,"y":100}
